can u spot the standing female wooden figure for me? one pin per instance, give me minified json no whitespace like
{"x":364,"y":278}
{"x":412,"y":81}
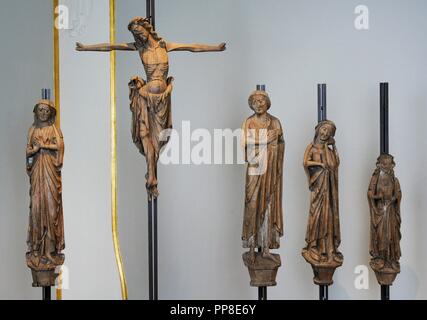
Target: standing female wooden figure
{"x":45,"y":152}
{"x":321,"y":162}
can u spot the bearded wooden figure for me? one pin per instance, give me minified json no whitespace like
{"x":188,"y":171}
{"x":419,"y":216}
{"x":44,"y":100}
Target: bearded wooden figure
{"x":263,"y":217}
{"x":384,"y":196}
{"x":45,"y":152}
{"x":321,"y":162}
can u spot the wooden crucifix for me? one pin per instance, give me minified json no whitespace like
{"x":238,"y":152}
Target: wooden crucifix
{"x":150,"y":99}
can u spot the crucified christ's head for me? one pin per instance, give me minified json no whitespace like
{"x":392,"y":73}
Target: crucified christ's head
{"x":141,"y":29}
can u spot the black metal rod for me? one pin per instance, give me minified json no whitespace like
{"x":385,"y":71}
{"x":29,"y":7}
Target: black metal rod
{"x":46,"y":94}
{"x":262,"y":291}
{"x":322,"y":116}
{"x":153,"y":14}
{"x":323,"y":292}
{"x":148,"y":9}
{"x":155,"y":276}
{"x":325,"y":116}
{"x":385,"y":292}
{"x":150,"y":247}
{"x":384,"y":133}
{"x":46,"y":293}
{"x":260,"y":87}
{"x":384,"y":148}
{"x":321,"y":102}
{"x":152,"y":203}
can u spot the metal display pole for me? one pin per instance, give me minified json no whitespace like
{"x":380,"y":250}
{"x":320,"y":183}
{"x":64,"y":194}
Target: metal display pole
{"x":152,"y":208}
{"x":262,"y":291}
{"x":46,"y":291}
{"x":321,"y":116}
{"x":384,"y":149}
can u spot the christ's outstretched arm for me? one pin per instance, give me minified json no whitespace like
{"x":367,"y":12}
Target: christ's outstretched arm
{"x":194,"y":47}
{"x":106,"y":47}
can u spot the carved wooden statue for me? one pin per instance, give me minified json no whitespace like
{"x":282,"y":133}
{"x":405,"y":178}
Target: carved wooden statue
{"x":45,"y":152}
{"x":384,"y":196}
{"x":151,"y":99}
{"x":263,"y":217}
{"x":321,"y":162}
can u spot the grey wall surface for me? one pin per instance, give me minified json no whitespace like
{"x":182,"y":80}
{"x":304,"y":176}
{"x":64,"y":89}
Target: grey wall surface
{"x":86,"y":175}
{"x":26,"y":67}
{"x":288,"y":45}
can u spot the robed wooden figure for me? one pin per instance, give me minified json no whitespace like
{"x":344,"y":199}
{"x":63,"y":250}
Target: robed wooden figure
{"x":263,"y":215}
{"x":45,"y":152}
{"x":321,"y":162}
{"x":384,"y":196}
{"x":151,"y":98}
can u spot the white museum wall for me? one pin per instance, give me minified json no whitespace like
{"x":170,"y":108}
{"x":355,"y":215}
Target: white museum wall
{"x":288,"y":45}
{"x":85,"y":105}
{"x":26,"y":67}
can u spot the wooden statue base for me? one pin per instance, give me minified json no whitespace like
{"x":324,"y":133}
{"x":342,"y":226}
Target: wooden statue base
{"x":43,"y":269}
{"x":323,"y":271}
{"x":45,"y":278}
{"x":323,"y":275}
{"x":262,"y":270}
{"x":385,"y":274}
{"x":385,"y":278}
